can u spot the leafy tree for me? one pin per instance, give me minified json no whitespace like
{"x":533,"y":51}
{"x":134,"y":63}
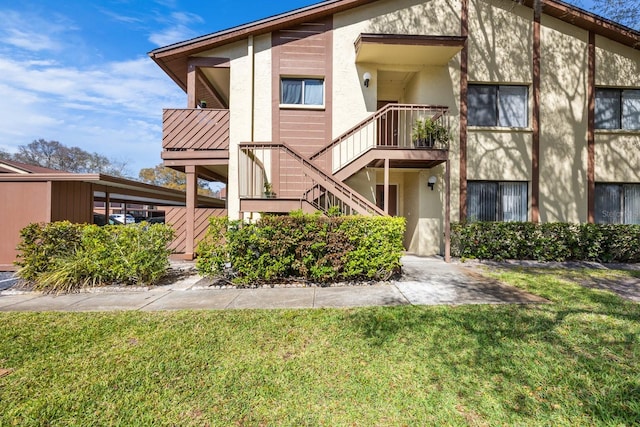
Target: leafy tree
{"x":626,"y":12}
{"x":54,"y":155}
{"x":171,"y":178}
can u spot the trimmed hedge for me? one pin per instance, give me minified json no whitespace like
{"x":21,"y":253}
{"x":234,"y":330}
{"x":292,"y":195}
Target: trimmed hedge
{"x":546,"y":242}
{"x":62,"y":256}
{"x":308,"y":247}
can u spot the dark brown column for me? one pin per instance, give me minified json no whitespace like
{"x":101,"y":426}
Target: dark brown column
{"x":591,"y":151}
{"x":535,"y":149}
{"x":192,"y":194}
{"x":464,"y":59}
{"x":447,"y":216}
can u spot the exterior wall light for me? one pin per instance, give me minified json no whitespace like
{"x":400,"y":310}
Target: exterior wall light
{"x":367,"y":77}
{"x":432,"y":182}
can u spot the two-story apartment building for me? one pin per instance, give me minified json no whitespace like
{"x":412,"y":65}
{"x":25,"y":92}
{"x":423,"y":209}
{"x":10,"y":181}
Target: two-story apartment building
{"x":436,"y":110}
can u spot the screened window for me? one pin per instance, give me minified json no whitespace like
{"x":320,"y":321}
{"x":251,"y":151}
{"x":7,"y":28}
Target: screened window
{"x":617,"y":204}
{"x":617,"y":109}
{"x":497,"y":201}
{"x":302,"y":91}
{"x":492,"y":105}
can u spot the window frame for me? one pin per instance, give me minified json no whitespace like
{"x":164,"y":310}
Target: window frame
{"x":303,"y":81}
{"x":497,"y":106}
{"x":619,"y":125}
{"x":620,"y":214}
{"x":498,"y":209}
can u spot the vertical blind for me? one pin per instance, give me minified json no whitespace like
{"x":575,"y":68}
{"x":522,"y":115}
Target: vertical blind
{"x":617,"y":204}
{"x":497,"y":201}
{"x":512,"y":106}
{"x":302,"y":91}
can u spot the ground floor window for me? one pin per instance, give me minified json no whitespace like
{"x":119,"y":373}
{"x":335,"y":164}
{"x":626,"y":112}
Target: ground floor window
{"x":497,"y":201}
{"x":617,"y":203}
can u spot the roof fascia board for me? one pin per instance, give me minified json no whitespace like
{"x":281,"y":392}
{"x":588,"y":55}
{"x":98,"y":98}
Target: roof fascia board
{"x":263,"y":26}
{"x":554,"y":8}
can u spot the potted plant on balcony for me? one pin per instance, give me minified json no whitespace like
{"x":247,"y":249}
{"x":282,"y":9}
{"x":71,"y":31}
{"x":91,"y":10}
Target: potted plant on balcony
{"x":268,"y":190}
{"x":426,"y":132}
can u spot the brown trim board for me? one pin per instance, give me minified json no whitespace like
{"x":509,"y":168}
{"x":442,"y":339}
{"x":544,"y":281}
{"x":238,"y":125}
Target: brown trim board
{"x":535,"y":148}
{"x":591,"y":105}
{"x":464,"y":82}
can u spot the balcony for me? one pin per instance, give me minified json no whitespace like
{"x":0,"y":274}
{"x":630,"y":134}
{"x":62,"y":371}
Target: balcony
{"x":195,"y":134}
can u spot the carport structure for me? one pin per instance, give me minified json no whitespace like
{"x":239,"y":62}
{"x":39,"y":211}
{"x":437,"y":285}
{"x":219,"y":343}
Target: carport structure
{"x":27,"y":198}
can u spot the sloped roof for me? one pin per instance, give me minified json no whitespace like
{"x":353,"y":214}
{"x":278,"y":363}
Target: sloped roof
{"x":173,"y":58}
{"x":9,"y":166}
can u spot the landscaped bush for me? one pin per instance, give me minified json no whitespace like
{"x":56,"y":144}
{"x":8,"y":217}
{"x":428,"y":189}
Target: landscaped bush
{"x":61,"y":256}
{"x":308,"y":247}
{"x":546,"y":242}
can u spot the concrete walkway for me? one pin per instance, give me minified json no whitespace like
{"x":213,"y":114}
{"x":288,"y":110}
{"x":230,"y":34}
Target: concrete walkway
{"x":426,"y":281}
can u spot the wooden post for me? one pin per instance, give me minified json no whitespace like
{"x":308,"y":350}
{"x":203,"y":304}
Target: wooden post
{"x":386,"y":186}
{"x":447,"y":214}
{"x":191,"y":196}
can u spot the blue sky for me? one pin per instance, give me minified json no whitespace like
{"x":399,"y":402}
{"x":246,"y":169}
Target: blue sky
{"x":77,"y":71}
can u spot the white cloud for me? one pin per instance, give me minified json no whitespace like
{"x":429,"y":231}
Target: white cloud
{"x":178,"y":28}
{"x":32,"y":32}
{"x":115,"y":109}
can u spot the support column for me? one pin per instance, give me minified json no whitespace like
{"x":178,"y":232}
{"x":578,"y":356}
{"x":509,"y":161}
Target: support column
{"x":191,"y":196}
{"x":535,"y":149}
{"x":591,"y":150}
{"x":191,"y":85}
{"x":464,"y":80}
{"x":386,"y":186}
{"x":447,"y":214}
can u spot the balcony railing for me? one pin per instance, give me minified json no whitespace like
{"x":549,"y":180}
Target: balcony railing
{"x":195,"y":129}
{"x":401,"y":126}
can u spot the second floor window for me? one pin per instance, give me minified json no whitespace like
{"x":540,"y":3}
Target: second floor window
{"x":497,"y":201}
{"x":498,"y":105}
{"x":295,"y":91}
{"x":617,"y":109}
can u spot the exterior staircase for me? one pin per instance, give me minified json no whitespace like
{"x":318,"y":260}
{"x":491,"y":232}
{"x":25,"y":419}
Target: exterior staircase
{"x":391,"y":134}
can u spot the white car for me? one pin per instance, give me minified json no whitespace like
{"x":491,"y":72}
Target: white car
{"x":123,"y":219}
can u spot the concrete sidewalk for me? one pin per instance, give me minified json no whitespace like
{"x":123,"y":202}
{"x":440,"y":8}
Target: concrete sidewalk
{"x":426,"y":281}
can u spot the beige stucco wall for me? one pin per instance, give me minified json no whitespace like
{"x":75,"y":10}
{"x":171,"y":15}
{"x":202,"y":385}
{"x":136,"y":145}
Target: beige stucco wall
{"x":364,"y":182}
{"x":563,"y":118}
{"x":240,"y":110}
{"x":262,"y":89}
{"x":500,"y":41}
{"x":617,"y":151}
{"x":499,"y":155}
{"x":617,"y":157}
{"x":352,"y":101}
{"x":616,"y":64}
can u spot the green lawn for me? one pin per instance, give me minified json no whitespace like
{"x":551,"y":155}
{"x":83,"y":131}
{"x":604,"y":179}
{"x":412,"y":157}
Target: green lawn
{"x":575,"y":361}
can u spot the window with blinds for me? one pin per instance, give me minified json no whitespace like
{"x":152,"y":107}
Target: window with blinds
{"x":502,"y":106}
{"x":497,"y":201}
{"x":617,"y":203}
{"x":617,"y":109}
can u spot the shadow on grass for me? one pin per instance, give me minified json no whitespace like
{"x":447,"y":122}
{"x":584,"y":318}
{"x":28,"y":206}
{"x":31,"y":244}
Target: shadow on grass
{"x":577,"y":355}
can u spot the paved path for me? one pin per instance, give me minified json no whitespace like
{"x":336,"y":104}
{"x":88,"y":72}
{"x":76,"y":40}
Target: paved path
{"x":426,"y":281}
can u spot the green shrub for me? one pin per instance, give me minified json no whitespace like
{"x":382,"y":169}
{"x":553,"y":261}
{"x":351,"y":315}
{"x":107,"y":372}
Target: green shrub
{"x":308,"y":247}
{"x":63,"y":256}
{"x":546,"y":242}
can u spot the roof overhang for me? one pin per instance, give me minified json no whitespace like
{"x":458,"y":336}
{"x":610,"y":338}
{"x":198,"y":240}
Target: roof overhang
{"x":119,"y":189}
{"x":406,"y":49}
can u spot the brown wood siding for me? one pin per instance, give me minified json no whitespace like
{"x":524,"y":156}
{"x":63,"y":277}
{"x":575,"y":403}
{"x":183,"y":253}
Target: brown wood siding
{"x":195,"y":129}
{"x":301,"y":51}
{"x":71,"y":201}
{"x":21,"y":203}
{"x":176,"y":217}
